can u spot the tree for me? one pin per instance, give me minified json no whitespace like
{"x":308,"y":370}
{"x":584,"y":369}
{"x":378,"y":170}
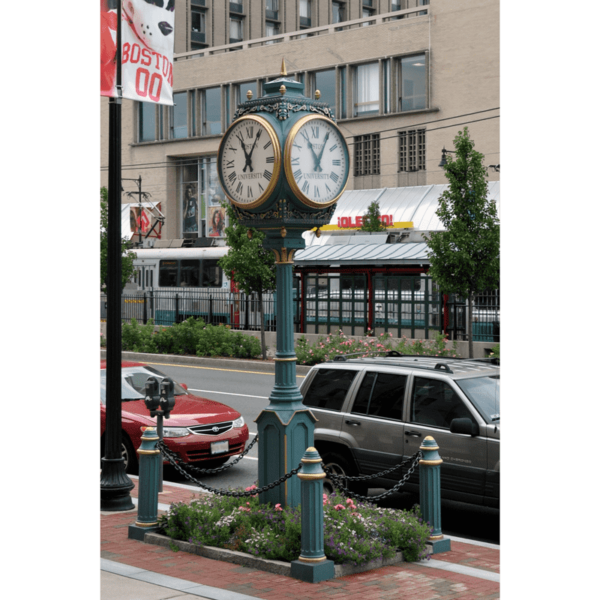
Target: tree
{"x":128,"y":257}
{"x":372,"y":218}
{"x":248,"y":264}
{"x":465,"y":258}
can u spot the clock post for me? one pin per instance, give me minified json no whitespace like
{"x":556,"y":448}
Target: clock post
{"x":283,"y":184}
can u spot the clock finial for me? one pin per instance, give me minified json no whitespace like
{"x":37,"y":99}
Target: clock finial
{"x":283,"y":71}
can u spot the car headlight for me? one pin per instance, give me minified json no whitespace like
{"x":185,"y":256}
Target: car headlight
{"x":174,"y":432}
{"x":239,"y":422}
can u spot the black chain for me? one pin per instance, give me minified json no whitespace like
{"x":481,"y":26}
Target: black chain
{"x":218,"y":469}
{"x":337,"y":479}
{"x":173,"y":459}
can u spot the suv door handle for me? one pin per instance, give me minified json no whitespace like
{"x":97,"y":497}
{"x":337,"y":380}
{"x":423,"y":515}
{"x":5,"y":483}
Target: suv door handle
{"x":349,"y":422}
{"x":413,"y":433}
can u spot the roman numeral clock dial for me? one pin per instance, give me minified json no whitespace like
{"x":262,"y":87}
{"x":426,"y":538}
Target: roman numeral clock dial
{"x":316,"y":161}
{"x":249,"y":161}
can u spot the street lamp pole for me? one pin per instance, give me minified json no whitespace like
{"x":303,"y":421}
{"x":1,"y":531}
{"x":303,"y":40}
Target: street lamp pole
{"x":115,"y":485}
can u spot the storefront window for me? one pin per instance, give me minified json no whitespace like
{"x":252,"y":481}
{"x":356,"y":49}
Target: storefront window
{"x":200,"y":196}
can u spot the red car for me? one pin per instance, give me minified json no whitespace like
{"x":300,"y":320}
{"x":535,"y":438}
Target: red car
{"x":201,"y":431}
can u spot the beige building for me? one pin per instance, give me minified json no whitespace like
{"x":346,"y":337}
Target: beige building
{"x":403,"y":77}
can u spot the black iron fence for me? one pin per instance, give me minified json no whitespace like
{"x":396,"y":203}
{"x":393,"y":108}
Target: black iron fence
{"x":403,"y":306}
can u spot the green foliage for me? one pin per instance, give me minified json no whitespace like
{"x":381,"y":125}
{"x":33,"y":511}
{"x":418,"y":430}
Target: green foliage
{"x":247,"y":262}
{"x":354,"y":533}
{"x":326,"y":348}
{"x":495,"y":351}
{"x":465,"y":258}
{"x":192,"y":336}
{"x":371,"y":219}
{"x":127,"y":256}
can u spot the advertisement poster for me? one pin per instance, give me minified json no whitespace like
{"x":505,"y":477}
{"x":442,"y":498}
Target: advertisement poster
{"x":190,"y":209}
{"x":147,"y":49}
{"x":216,"y":222}
{"x":143,"y":222}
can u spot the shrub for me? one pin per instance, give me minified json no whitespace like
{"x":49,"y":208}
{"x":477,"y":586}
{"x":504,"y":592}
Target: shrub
{"x":354,"y":533}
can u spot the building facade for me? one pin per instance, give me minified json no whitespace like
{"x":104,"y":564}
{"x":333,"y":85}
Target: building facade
{"x":402,"y":76}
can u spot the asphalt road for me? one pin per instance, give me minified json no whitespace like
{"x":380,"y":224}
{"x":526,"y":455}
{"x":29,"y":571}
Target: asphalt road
{"x":248,"y":392}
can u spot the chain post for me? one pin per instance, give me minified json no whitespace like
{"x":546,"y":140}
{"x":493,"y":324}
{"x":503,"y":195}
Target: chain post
{"x":312,"y":566}
{"x":430,"y":494}
{"x":150,"y":459}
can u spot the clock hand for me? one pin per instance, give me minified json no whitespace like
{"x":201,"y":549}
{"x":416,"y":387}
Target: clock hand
{"x":248,"y":158}
{"x":321,"y":153}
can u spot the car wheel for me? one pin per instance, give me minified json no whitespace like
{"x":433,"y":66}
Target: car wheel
{"x":339,"y":466}
{"x":129,"y":456}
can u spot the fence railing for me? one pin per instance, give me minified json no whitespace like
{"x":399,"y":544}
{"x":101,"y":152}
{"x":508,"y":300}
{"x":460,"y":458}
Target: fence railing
{"x":411,"y":307}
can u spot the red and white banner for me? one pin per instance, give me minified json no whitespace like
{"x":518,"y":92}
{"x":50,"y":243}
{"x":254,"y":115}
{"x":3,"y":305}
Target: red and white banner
{"x":146,"y":49}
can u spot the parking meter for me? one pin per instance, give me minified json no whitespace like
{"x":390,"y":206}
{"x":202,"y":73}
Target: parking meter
{"x":152,"y":394}
{"x":167,"y":396}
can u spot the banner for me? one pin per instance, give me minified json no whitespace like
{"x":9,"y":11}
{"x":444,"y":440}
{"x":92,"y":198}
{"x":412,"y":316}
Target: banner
{"x":147,"y":49}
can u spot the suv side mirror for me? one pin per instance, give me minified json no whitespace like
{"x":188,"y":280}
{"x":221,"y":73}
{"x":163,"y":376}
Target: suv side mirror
{"x":465,"y":426}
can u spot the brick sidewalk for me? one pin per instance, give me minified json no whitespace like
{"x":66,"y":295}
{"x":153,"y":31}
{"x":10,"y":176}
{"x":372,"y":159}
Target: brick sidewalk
{"x":406,"y":580}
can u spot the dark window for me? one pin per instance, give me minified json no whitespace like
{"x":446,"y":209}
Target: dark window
{"x":190,"y":273}
{"x":147,"y":121}
{"x":329,"y":388}
{"x":167,"y":273}
{"x":381,"y":395}
{"x":412,"y":150}
{"x":366,"y":155}
{"x":212,"y":275}
{"x":436,"y":403}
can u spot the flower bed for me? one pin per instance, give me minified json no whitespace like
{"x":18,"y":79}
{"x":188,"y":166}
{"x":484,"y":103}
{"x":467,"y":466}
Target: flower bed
{"x":335,"y":344}
{"x":354,"y":533}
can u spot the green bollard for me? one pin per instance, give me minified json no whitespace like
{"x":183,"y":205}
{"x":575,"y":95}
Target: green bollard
{"x":150,"y":461}
{"x":430,"y":494}
{"x":312,"y":565}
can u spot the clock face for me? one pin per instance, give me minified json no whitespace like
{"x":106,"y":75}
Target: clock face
{"x":316,"y":161}
{"x":249,"y":161}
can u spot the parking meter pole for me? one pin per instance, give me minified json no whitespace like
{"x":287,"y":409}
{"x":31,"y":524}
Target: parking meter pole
{"x":159,"y":423}
{"x":149,"y":459}
{"x":430,"y":494}
{"x":312,"y":565}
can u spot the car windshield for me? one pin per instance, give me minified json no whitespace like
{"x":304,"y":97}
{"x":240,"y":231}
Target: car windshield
{"x":484,"y":393}
{"x":133,"y":382}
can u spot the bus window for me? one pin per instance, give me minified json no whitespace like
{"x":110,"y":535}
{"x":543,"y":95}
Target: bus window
{"x":212,"y":275}
{"x":167,"y":274}
{"x":190,"y":273}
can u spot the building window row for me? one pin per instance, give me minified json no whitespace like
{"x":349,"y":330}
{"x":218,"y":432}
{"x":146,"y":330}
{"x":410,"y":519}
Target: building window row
{"x":381,"y":87}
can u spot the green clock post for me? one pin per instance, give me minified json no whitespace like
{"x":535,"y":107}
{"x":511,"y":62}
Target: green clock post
{"x":283,"y":164}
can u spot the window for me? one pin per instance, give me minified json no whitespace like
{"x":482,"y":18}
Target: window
{"x":190,"y":273}
{"x":325,"y":83}
{"x":167,"y":273}
{"x":412,"y":150}
{"x":272,"y":9}
{"x":212,"y":274}
{"x":422,"y":3}
{"x":241,"y":91}
{"x":366,"y":155}
{"x":413,"y":77}
{"x":436,"y":403}
{"x":338,"y":12}
{"x":198,"y":28}
{"x":235,"y":30}
{"x":179,"y":116}
{"x":146,"y":121}
{"x":366,"y":13}
{"x":305,"y":13}
{"x":236,"y":6}
{"x":211,"y":112}
{"x":271,"y":29}
{"x":381,"y":395}
{"x":329,"y":388}
{"x":366,"y":89}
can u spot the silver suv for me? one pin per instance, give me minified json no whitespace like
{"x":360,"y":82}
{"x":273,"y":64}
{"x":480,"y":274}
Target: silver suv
{"x":374,"y":412}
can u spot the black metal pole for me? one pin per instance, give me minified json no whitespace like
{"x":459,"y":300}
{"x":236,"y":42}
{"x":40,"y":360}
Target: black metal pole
{"x":115,"y":485}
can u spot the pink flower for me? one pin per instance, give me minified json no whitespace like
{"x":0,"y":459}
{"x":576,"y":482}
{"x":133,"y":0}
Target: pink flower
{"x":339,"y":507}
{"x":252,"y":487}
{"x":278,"y":507}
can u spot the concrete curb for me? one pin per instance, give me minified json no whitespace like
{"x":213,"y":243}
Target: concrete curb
{"x":197,"y":361}
{"x":277,"y":567}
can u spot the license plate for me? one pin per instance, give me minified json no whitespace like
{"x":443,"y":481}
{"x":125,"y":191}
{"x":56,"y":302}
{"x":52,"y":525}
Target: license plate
{"x":219,"y":447}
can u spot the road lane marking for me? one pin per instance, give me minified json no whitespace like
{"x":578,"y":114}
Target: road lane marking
{"x":228,"y":394}
{"x":213,"y":369}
